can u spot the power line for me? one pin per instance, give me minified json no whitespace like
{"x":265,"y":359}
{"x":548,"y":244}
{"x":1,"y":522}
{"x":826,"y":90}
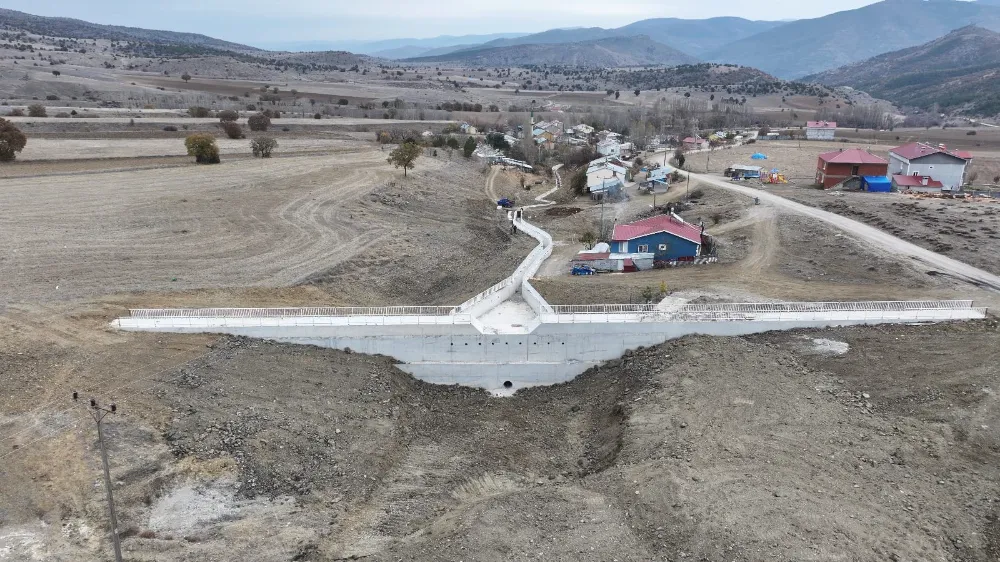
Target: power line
{"x":98,"y":412}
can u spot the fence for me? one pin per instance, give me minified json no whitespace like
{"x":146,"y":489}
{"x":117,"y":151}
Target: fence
{"x":292,"y":312}
{"x":761,"y":312}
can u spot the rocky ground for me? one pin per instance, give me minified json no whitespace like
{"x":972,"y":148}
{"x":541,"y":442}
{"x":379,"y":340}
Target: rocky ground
{"x":860,"y":444}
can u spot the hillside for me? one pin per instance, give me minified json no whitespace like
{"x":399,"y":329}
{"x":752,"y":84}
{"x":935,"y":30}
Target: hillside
{"x":602,"y":53}
{"x":960,"y":71}
{"x":806,"y":47}
{"x":693,"y":37}
{"x":79,"y":29}
{"x":728,"y":81}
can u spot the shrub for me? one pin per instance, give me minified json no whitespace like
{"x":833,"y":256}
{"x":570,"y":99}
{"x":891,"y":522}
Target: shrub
{"x":259,"y":122}
{"x":318,"y":116}
{"x":62,"y":115}
{"x":232,"y":130}
{"x":37,"y":110}
{"x":170,"y":128}
{"x":12,"y":141}
{"x":228,"y":116}
{"x":342,"y":101}
{"x":285,"y":129}
{"x":198,"y":111}
{"x":73,"y":112}
{"x":16,"y":112}
{"x":263,"y":146}
{"x":56,"y":73}
{"x":970,"y":133}
{"x":52,"y":97}
{"x":202,"y":146}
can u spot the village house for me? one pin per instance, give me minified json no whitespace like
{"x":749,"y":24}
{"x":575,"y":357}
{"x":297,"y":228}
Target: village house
{"x":659,"y":176}
{"x":695,"y":143}
{"x":820,"y":130}
{"x":606,"y":180}
{"x":834,"y":168}
{"x":615,"y":163}
{"x":583,"y":130}
{"x":609,"y":147}
{"x":667,"y":237}
{"x":937,"y":162}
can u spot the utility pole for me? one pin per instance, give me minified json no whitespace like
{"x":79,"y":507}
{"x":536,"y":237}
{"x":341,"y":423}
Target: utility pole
{"x":98,"y":412}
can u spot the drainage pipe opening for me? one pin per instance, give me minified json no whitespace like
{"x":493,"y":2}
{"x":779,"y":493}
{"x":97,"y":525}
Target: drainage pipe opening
{"x":507,"y":384}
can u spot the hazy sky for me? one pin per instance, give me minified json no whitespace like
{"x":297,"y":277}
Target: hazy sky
{"x":267,"y":21}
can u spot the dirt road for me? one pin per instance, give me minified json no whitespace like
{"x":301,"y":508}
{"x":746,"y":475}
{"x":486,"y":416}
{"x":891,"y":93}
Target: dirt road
{"x":900,"y":248}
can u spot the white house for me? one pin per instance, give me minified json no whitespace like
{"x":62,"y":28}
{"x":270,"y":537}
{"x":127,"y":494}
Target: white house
{"x":606,"y":179}
{"x":937,"y":162}
{"x":583,"y":130}
{"x":820,"y":130}
{"x":610,"y":147}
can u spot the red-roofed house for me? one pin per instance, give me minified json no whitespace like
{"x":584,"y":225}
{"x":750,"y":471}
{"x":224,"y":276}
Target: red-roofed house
{"x":922,"y":159}
{"x":820,"y":130}
{"x":668,"y":237}
{"x":835,"y":167}
{"x":695,"y":143}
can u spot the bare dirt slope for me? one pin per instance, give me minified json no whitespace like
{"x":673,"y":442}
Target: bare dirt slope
{"x":806,"y":446}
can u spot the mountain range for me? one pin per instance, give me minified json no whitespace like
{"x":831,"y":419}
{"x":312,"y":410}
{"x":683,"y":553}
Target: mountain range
{"x":692,"y":37}
{"x":788,"y":49}
{"x":612,"y":52}
{"x":804,"y":47}
{"x":960,"y":71}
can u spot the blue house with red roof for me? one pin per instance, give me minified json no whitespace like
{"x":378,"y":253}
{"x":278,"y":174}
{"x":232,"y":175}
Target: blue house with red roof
{"x":667,"y":237}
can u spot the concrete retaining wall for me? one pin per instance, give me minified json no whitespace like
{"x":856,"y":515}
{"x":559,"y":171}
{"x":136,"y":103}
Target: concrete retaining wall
{"x":457,"y":353}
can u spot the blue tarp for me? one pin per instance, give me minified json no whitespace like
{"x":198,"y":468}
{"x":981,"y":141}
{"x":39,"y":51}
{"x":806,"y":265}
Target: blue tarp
{"x":877,"y":184}
{"x":759,"y":156}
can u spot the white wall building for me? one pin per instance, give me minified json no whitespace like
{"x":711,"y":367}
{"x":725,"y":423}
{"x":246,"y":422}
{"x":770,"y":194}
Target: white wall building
{"x":820,"y":130}
{"x":610,"y":147}
{"x":921,"y":159}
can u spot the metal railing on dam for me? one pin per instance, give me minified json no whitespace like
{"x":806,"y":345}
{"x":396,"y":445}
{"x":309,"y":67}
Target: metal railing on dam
{"x":298,"y":311}
{"x":874,"y":311}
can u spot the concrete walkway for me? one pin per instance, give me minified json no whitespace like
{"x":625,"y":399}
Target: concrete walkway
{"x":897,"y":247}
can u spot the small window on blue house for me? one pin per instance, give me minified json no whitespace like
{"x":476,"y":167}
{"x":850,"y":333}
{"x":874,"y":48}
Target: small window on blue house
{"x":663,"y":247}
{"x":643,"y":249}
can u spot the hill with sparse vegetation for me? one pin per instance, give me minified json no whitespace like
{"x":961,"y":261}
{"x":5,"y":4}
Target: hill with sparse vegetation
{"x":810,"y":46}
{"x":601,"y":53}
{"x":958,"y":72}
{"x":79,"y":29}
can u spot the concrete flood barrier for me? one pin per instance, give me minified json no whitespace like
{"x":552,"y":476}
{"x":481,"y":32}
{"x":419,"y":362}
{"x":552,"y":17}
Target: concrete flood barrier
{"x":448,"y":348}
{"x":553,"y":344}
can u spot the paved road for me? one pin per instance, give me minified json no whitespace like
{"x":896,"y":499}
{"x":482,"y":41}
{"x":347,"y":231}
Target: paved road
{"x":925,"y":259}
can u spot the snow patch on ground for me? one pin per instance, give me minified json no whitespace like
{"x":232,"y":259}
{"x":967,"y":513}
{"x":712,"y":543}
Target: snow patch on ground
{"x":824,"y":346}
{"x":191,"y":507}
{"x":21,"y":544}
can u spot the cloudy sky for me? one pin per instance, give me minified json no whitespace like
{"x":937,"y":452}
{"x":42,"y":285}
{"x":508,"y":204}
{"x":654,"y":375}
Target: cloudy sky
{"x":267,"y":22}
